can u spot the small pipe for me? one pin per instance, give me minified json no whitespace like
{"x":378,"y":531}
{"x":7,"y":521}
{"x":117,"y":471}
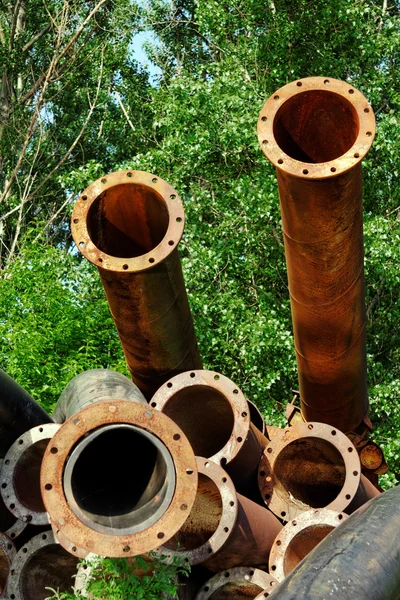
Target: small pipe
{"x":41,"y":563}
{"x":224,"y":529}
{"x":18,"y":412}
{"x":214,"y":414}
{"x":237,"y":584}
{"x":129,"y":225}
{"x":118,"y":479}
{"x":299,"y":537}
{"x":7,"y":554}
{"x":316,"y":131}
{"x":359,"y":559}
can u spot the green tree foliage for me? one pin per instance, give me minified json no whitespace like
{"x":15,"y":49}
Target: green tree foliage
{"x":220,"y":61}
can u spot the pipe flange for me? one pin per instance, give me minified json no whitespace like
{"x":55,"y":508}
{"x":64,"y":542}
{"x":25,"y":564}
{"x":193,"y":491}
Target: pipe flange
{"x":9,"y":491}
{"x":118,"y":412}
{"x":299,"y":537}
{"x":227,"y":491}
{"x":231,"y":394}
{"x":241,"y":576}
{"x":98,"y":190}
{"x":16,"y":529}
{"x":7,"y":554}
{"x":274,"y":489}
{"x":352,"y":98}
{"x":67,"y":544}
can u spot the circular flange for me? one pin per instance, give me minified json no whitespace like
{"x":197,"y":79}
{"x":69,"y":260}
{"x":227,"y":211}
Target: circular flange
{"x":281,"y":501}
{"x":308,"y":529}
{"x":17,"y":452}
{"x":229,"y":514}
{"x":98,"y":189}
{"x":57,"y":453}
{"x":7,"y":554}
{"x":244,"y":577}
{"x":321,"y":170}
{"x":231,"y":393}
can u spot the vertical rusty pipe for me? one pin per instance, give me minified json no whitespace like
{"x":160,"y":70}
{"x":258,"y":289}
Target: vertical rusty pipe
{"x":316,"y":131}
{"x":129,"y":225}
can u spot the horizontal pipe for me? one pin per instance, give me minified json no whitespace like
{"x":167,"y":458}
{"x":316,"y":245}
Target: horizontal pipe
{"x":129,"y":225}
{"x":224,"y":529}
{"x":18,"y":412}
{"x":316,"y":131}
{"x":237,"y":584}
{"x":118,"y":479}
{"x":359,"y":559}
{"x":214,"y":414}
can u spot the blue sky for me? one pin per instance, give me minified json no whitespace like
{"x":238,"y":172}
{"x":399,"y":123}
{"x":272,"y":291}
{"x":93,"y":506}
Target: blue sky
{"x":139,"y":54}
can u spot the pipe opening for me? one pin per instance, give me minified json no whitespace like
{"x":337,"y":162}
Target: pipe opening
{"x":316,"y":126}
{"x":26,"y":476}
{"x":205,"y":416}
{"x":4,"y":569}
{"x":303,"y":543}
{"x":128,"y":220}
{"x":309,"y":472}
{"x":203,"y":520}
{"x":119,"y":479}
{"x":51,"y":566}
{"x":237,"y":590}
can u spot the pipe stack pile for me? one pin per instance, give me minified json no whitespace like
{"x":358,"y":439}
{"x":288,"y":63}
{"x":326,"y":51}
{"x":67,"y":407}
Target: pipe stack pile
{"x":178,"y":460}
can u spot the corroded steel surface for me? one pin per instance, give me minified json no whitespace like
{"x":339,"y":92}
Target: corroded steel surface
{"x":299,"y":537}
{"x":316,"y":131}
{"x":20,"y":475}
{"x":309,"y":465}
{"x":365,"y":492}
{"x":224,"y":529}
{"x":81,"y":536}
{"x":92,"y":386}
{"x":7,"y":554}
{"x":39,"y":564}
{"x":214,"y":414}
{"x":129,"y":225}
{"x":256,"y":417}
{"x":240,"y":583}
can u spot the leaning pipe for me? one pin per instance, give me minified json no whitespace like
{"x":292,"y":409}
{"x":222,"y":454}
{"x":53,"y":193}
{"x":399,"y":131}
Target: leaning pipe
{"x":316,"y":131}
{"x":18,"y":412}
{"x":129,"y":225}
{"x":359,"y":559}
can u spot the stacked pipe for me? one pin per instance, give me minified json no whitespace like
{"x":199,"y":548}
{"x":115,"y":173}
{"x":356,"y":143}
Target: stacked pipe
{"x":178,"y":460}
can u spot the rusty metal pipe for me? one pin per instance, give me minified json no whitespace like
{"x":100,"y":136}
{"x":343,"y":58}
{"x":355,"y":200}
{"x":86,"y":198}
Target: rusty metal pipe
{"x":359,"y":559}
{"x":7,"y":554}
{"x":18,"y":412}
{"x":129,"y":225}
{"x":214,"y":414}
{"x":240,"y":583}
{"x":316,"y":131}
{"x":224,"y":529}
{"x":118,"y":479}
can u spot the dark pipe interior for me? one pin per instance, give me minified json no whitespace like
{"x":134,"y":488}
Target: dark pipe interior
{"x":310,"y":471}
{"x":50,"y":566}
{"x":237,"y":590}
{"x":26,"y":477}
{"x":204,"y":415}
{"x":7,"y":518}
{"x":303,"y":543}
{"x":120,"y":478}
{"x":128,"y":220}
{"x":4,"y":570}
{"x":316,"y":126}
{"x":203,"y":520}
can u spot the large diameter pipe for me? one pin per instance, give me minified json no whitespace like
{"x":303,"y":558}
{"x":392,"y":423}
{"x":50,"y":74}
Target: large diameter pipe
{"x":224,"y":529}
{"x":241,"y":583}
{"x":118,"y":479}
{"x":359,"y":559}
{"x":129,"y":225}
{"x":316,"y":131}
{"x":18,"y":412}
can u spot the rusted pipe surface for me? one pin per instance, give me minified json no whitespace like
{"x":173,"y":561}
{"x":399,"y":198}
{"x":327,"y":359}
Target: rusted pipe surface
{"x":316,"y":131}
{"x":93,"y":386}
{"x":39,"y":564}
{"x":224,"y":529}
{"x":309,"y":465}
{"x":241,"y":583}
{"x":129,"y":225}
{"x":7,"y":554}
{"x":214,"y":414}
{"x":365,"y":492}
{"x":299,"y":537}
{"x":20,"y":475}
{"x":126,"y":474}
{"x":256,"y":417}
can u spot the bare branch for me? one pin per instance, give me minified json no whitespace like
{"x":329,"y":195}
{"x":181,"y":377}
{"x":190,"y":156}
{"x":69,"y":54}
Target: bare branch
{"x":36,"y":38}
{"x":131,"y":125}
